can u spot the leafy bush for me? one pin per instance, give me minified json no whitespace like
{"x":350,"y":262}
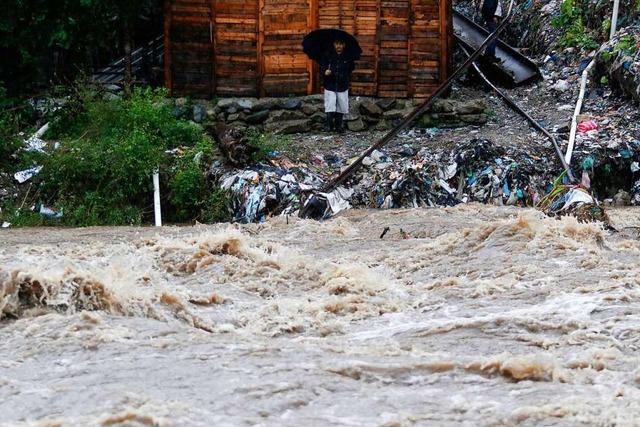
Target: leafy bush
{"x":190,"y":194}
{"x":102,"y":172}
{"x":264,"y":143}
{"x":570,"y":19}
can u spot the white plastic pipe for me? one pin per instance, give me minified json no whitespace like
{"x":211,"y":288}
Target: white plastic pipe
{"x":583,"y":83}
{"x":156,"y":199}
{"x":614,"y":19}
{"x":574,"y":119}
{"x":42,"y":130}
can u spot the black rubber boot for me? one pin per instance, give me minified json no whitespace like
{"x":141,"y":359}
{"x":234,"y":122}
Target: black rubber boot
{"x":328,"y":122}
{"x":339,"y":126}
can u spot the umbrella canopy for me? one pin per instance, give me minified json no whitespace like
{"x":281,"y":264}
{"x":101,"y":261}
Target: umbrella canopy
{"x":319,"y":41}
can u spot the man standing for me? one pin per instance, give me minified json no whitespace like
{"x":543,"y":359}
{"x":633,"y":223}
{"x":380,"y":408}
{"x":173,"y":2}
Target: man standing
{"x":492,"y":16}
{"x":335,"y":67}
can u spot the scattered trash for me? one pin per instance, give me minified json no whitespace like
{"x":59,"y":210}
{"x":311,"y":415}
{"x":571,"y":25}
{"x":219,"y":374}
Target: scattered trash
{"x":27,"y":174}
{"x":47,"y":211}
{"x":587,"y":126}
{"x":573,"y":200}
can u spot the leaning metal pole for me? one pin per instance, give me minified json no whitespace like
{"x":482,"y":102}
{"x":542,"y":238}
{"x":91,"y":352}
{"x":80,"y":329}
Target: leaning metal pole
{"x":511,"y":103}
{"x":413,"y":115}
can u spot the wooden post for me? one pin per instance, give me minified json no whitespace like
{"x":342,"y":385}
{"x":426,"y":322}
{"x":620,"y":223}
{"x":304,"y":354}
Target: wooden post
{"x":213,"y":37}
{"x":446,"y":39}
{"x":167,"y":47}
{"x":260,"y":44}
{"x":312,"y":67}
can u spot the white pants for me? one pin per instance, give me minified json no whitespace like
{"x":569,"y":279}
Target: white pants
{"x":336,"y":102}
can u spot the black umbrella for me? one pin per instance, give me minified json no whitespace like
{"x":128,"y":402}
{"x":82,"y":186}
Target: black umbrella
{"x":319,"y":41}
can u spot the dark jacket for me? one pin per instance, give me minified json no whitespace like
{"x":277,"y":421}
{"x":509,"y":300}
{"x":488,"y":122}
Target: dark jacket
{"x":341,"y":67}
{"x":489,"y":9}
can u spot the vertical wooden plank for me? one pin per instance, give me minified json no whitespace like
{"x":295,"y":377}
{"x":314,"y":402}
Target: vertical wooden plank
{"x":259,"y":53}
{"x":410,"y":84}
{"x":189,"y":58}
{"x":313,"y":85}
{"x":286,"y":69}
{"x":167,"y":47}
{"x":446,"y":37}
{"x":212,"y":36}
{"x":237,"y":56}
{"x":376,"y":56}
{"x":393,"y":63}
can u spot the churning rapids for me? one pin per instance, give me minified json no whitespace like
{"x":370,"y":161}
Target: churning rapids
{"x":474,"y":315}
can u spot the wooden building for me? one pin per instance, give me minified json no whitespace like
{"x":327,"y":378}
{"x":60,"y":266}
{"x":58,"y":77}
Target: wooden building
{"x":252,"y":48}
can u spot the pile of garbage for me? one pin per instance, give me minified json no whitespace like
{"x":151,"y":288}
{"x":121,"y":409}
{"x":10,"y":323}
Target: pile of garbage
{"x":478,"y":171}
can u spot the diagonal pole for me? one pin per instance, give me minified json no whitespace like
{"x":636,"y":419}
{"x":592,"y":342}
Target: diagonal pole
{"x":511,"y":103}
{"x":412,"y":116}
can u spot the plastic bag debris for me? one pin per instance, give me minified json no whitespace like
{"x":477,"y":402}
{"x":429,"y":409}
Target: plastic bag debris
{"x":588,"y":125}
{"x":47,"y":211}
{"x":27,"y":174}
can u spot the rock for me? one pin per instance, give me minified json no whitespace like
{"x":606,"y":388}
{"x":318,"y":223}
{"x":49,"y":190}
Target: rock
{"x":257,"y":117}
{"x":471,"y":107}
{"x":393,"y":114}
{"x":226,"y":103}
{"x":233,"y":117}
{"x":288,"y":126}
{"x":386,"y":103}
{"x":356,"y":125}
{"x":443,"y":106}
{"x":291,"y":103}
{"x":383,"y":125}
{"x":622,"y":198}
{"x":246,"y":103}
{"x":318,"y":117}
{"x":211,"y":115}
{"x":282,"y":115}
{"x":309,"y":109}
{"x":199,"y":113}
{"x":369,"y":107}
{"x":180,"y":111}
{"x":476,"y":119}
{"x":264,"y":104}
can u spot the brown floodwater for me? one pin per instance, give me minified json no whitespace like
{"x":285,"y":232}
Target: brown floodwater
{"x":468,"y":316}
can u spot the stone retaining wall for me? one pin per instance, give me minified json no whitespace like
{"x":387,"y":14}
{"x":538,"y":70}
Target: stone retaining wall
{"x":306,"y":114}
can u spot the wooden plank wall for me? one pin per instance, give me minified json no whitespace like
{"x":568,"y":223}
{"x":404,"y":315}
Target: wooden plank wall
{"x":188,"y":63}
{"x":393,"y":31}
{"x":282,"y":25}
{"x":430,"y":47}
{"x":253,"y":47}
{"x":364,"y":79}
{"x":236,"y":44}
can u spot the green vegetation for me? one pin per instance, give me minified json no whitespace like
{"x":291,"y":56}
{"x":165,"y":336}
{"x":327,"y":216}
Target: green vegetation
{"x":264,"y":144}
{"x":101,"y":172}
{"x":571,"y":20}
{"x":15,"y":116}
{"x":626,"y":45}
